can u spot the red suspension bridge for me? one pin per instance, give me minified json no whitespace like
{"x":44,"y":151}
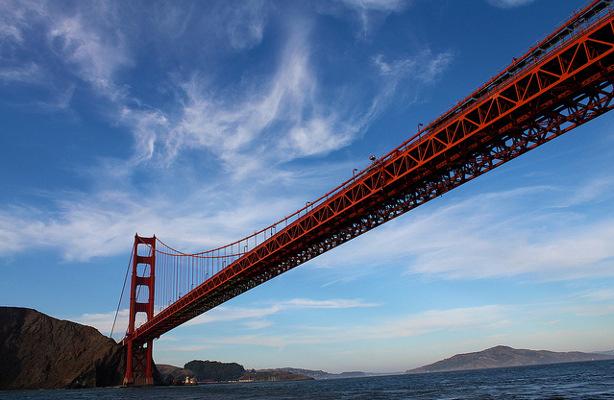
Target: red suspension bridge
{"x":559,"y":84}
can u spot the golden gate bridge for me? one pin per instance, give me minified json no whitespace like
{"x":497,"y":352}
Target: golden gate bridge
{"x":562,"y":82}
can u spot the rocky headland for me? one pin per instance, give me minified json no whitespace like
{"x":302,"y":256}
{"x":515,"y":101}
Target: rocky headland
{"x":172,"y":375}
{"x":38,"y":351}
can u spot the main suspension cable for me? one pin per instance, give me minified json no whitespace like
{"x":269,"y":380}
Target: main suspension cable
{"x":121,"y":296}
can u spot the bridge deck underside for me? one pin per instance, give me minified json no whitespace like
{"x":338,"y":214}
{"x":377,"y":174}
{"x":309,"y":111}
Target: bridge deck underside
{"x":570,"y":86}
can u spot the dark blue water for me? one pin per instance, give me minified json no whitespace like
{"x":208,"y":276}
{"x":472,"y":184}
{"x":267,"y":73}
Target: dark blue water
{"x":589,"y":380}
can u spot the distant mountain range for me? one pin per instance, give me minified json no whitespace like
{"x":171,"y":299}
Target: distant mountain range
{"x":214,"y":371}
{"x":495,"y":357}
{"x":319,"y":374}
{"x":505,"y":356}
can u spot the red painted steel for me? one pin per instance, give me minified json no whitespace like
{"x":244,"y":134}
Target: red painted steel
{"x":145,"y":278}
{"x":562,"y":82}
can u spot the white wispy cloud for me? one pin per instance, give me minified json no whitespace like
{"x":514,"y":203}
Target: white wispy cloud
{"x":226,"y":313}
{"x":597,"y":295}
{"x":331,"y":304}
{"x":89,"y":226}
{"x":193,"y":216}
{"x":283,"y":119}
{"x":245,"y":25}
{"x":90,"y":43}
{"x":509,"y":3}
{"x":251,"y":126}
{"x":96,"y":53}
{"x":104,"y":322}
{"x":255,"y":128}
{"x":591,"y":310}
{"x":378,"y":5}
{"x":28,"y":73}
{"x":433,"y":321}
{"x":85,"y":40}
{"x":488,"y":235}
{"x":590,"y":191}
{"x":369,"y":10}
{"x":257,"y":324}
{"x":253,"y":318}
{"x":421,"y":323}
{"x":263,"y":123}
{"x":15,"y":19}
{"x":423,"y":67}
{"x":148,"y":127}
{"x":23,"y":62}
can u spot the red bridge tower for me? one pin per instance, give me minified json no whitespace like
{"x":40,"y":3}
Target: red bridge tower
{"x":139,"y":361}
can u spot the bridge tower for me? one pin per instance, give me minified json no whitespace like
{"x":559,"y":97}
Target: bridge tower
{"x":139,"y":360}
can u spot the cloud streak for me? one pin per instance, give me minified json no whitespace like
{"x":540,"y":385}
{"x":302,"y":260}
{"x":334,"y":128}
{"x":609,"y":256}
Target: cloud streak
{"x":488,"y":236}
{"x":287,"y":118}
{"x":509,"y":3}
{"x":252,"y":317}
{"x":377,"y":5}
{"x":98,"y":226}
{"x":255,"y":128}
{"x":369,"y":10}
{"x":225,"y":313}
{"x":96,"y":56}
{"x":426,"y":322}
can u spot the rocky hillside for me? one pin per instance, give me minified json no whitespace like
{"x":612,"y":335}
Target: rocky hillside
{"x":315,"y":374}
{"x":272,"y":375}
{"x":171,"y":375}
{"x":504,"y":356}
{"x":215,"y":371}
{"x":38,"y":351}
{"x":319,"y":374}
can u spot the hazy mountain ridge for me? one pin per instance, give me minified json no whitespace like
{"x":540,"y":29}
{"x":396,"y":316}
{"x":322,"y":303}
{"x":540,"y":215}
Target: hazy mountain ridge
{"x":505,"y":356}
{"x":320,"y":374}
{"x":273,"y":375}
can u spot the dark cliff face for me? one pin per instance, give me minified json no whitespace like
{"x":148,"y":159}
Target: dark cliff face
{"x":38,"y":351}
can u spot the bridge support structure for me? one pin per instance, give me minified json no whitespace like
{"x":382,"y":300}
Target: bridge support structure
{"x":563,"y":82}
{"x":139,"y":355}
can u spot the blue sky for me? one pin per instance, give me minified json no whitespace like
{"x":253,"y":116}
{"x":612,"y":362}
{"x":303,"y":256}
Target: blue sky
{"x":204,"y":121}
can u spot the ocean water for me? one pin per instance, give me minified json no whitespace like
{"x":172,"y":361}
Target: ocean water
{"x":586,"y":380}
